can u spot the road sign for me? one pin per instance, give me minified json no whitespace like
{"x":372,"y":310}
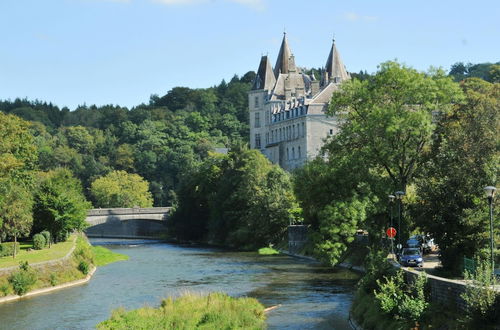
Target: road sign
{"x":391,"y":232}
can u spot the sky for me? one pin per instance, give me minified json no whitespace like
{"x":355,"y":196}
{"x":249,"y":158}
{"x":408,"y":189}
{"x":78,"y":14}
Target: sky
{"x":75,"y":52}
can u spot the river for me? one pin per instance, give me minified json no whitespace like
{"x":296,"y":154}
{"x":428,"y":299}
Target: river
{"x":311,"y":296}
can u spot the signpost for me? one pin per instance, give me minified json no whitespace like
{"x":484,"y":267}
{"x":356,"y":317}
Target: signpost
{"x":391,"y":233}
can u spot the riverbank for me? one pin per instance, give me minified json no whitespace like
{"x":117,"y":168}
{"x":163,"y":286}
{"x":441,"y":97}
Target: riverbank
{"x":37,"y":292}
{"x":76,"y":267}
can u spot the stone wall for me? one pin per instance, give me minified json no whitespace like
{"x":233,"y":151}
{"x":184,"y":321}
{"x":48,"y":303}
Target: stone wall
{"x":443,"y":290}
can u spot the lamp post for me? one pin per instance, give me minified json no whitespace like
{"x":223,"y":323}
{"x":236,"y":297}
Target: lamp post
{"x":490,"y":194}
{"x":399,"y":197}
{"x":391,"y":203}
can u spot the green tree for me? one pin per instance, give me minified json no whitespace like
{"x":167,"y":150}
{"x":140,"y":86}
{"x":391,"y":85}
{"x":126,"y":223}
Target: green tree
{"x":389,"y":117}
{"x":121,"y":189}
{"x":16,"y":218}
{"x":18,"y":154}
{"x":253,"y":201}
{"x":464,"y":158}
{"x":59,"y":205}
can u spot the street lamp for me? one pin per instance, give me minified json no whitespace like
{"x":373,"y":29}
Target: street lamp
{"x":391,"y":203}
{"x":399,"y":197}
{"x":490,"y":194}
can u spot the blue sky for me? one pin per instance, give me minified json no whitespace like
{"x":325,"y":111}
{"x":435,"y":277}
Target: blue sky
{"x":71,"y":52}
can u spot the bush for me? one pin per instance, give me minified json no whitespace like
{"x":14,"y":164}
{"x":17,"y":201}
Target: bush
{"x":53,"y":279}
{"x":62,"y":236}
{"x":402,"y":300}
{"x":39,"y":241}
{"x":7,"y":249}
{"x":23,"y":279}
{"x":83,"y":266}
{"x":46,"y":234}
{"x":482,"y":301}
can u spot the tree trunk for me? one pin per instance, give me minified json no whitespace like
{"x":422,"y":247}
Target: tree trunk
{"x":15,"y":244}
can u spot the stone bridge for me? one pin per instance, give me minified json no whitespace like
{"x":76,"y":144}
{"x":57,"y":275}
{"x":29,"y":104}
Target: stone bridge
{"x":128,"y":222}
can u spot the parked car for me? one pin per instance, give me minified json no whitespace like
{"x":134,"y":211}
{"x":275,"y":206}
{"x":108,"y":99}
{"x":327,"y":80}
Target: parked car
{"x":411,"y":257}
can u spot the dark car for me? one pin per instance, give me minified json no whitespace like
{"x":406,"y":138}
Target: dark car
{"x":411,"y":257}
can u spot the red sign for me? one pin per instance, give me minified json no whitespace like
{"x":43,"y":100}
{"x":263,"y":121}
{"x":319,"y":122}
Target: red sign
{"x":391,"y":232}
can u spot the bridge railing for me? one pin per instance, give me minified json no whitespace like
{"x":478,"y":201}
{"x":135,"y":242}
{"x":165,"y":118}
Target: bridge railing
{"x":123,"y":211}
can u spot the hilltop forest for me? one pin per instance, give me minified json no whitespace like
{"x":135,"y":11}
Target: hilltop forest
{"x":165,"y":153}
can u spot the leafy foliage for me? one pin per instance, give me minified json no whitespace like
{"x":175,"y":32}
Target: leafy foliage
{"x":463,"y":159}
{"x":240,"y":200}
{"x":38,"y":241}
{"x":486,"y":71}
{"x":388,"y":118}
{"x":121,"y":189}
{"x":402,"y":300}
{"x":7,"y":248}
{"x":16,"y":216}
{"x":23,"y":280}
{"x":60,"y":206}
{"x":482,"y":301}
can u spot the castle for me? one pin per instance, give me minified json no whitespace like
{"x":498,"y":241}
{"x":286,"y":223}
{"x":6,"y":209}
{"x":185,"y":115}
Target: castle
{"x":288,"y":123}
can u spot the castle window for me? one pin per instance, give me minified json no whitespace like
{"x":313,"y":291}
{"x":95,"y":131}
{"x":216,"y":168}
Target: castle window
{"x":256,"y":102}
{"x":287,"y":154}
{"x":257,"y":119}
{"x":287,"y":114}
{"x":267,"y":138}
{"x":298,"y":150}
{"x":303,"y":130}
{"x":293,"y":132}
{"x":331,"y":131}
{"x":293,"y":153}
{"x":257,"y":141}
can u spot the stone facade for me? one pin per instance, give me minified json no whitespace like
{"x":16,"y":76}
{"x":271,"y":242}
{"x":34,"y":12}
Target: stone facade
{"x":288,"y":123}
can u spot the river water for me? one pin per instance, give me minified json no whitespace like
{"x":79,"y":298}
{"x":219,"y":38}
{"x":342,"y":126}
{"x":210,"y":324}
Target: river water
{"x":311,"y":296}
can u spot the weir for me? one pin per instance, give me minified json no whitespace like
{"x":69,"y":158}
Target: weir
{"x":128,"y":222}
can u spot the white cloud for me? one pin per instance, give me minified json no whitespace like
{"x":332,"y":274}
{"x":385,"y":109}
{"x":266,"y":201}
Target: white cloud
{"x":354,"y":17}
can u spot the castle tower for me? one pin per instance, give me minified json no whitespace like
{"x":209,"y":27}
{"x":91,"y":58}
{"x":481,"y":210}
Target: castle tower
{"x":288,"y":120}
{"x":284,"y":63}
{"x":335,"y":69}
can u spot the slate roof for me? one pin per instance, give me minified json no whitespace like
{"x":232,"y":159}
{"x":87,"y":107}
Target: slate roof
{"x":265,"y":78}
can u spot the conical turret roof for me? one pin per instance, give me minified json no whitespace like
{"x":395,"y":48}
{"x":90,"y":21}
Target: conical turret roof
{"x":265,"y":77}
{"x":283,"y":62}
{"x":334,"y":66}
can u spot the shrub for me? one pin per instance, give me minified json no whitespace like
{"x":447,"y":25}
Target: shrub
{"x":39,"y":241}
{"x":4,"y":288}
{"x":7,"y":249}
{"x":83,"y":266}
{"x":46,"y":234}
{"x":23,"y":279}
{"x":482,"y":301}
{"x":402,"y":300}
{"x":62,"y":236}
{"x":53,"y":279}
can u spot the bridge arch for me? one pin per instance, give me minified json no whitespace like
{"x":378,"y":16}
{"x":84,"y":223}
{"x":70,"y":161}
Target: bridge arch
{"x":128,"y":222}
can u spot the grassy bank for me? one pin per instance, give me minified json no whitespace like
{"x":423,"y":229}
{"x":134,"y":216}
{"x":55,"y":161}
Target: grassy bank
{"x":82,"y":260}
{"x":56,"y":251}
{"x":103,"y":256}
{"x":268,"y":251}
{"x":192,"y":311}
